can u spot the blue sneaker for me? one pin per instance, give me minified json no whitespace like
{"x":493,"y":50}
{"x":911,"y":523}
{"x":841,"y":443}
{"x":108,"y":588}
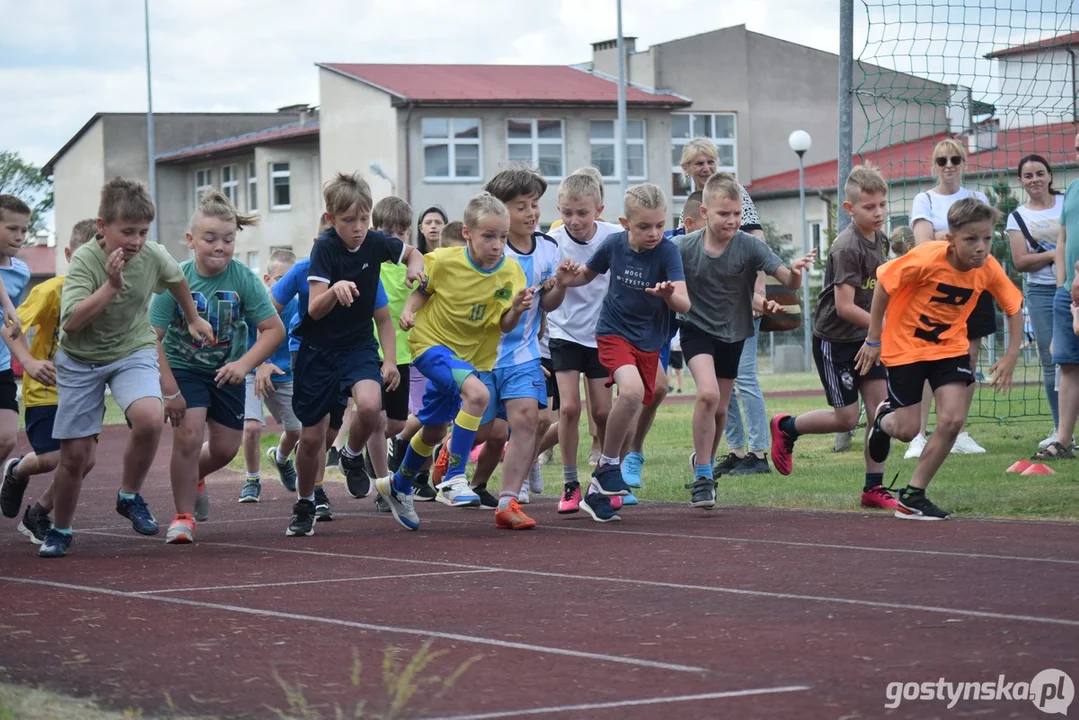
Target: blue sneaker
{"x":56,"y":544}
{"x":599,"y":507}
{"x":136,"y":511}
{"x":250,"y":492}
{"x":630,"y":499}
{"x":607,"y":480}
{"x":631,"y":469}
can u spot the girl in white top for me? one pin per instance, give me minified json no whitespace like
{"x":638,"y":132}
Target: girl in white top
{"x":929,"y":220}
{"x":1033,"y":230}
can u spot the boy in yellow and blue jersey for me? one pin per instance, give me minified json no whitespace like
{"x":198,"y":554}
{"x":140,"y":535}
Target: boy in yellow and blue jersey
{"x":472,"y":295}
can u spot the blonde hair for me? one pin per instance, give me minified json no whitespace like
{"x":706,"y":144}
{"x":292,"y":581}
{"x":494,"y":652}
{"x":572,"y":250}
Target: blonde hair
{"x":323,"y":224}
{"x":344,"y":191}
{"x":864,"y":180}
{"x":215,"y":204}
{"x":970,"y":210}
{"x":280,"y":256}
{"x":452,"y":235}
{"x":692,"y":206}
{"x":695,"y":147}
{"x":722,"y":185}
{"x":128,"y":200}
{"x":83,"y":232}
{"x":949,"y":146}
{"x":393,"y":215}
{"x":645,"y":196}
{"x":584,"y":183}
{"x":482,"y":206}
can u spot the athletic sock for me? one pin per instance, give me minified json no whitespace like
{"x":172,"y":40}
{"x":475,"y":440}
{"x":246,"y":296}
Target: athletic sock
{"x":417,"y":454}
{"x":63,"y":531}
{"x":873,"y":479}
{"x":604,"y":460}
{"x":909,"y":491}
{"x":704,"y":471}
{"x":349,"y":453}
{"x":504,"y":499}
{"x":280,"y":460}
{"x":464,"y":433}
{"x":309,"y":498}
{"x":787,"y":426}
{"x":569,"y":474}
{"x":127,"y":496}
{"x":254,"y":476}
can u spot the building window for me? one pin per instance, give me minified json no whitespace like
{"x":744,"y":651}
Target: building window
{"x":451,"y":149}
{"x":253,"y":260}
{"x":720,"y":128}
{"x":817,"y":239}
{"x":280,"y":196}
{"x":204,"y":180}
{"x":604,"y":153}
{"x":252,"y":188}
{"x":538,"y":143}
{"x":229,"y":183}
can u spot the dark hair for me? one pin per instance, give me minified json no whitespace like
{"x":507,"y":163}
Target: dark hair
{"x":421,"y":239}
{"x":13,"y":205}
{"x":515,"y":180}
{"x":1039,"y":159}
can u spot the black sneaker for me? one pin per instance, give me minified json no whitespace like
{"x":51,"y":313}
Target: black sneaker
{"x":916,"y":506}
{"x":608,"y":479}
{"x":725,"y":465}
{"x":323,"y":509}
{"x":599,"y":507}
{"x":356,"y":478}
{"x":880,"y":443}
{"x":136,"y":511}
{"x":332,"y":457}
{"x":422,"y":490}
{"x":56,"y":544}
{"x":487,"y":500}
{"x":35,"y":525}
{"x":11,"y":489}
{"x":397,"y":449}
{"x":303,"y":519}
{"x":751,"y":464}
{"x":703,"y":493}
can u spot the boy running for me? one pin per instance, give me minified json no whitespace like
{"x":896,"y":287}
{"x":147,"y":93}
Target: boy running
{"x":14,"y":277}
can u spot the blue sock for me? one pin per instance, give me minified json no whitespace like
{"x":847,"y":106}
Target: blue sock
{"x":464,"y":433}
{"x":128,"y":496}
{"x":703,"y":471}
{"x":417,"y":454}
{"x":63,"y":531}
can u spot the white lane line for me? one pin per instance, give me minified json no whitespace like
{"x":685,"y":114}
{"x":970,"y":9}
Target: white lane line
{"x":666,"y":585}
{"x":250,"y":586}
{"x":455,"y":637}
{"x":627,"y":703}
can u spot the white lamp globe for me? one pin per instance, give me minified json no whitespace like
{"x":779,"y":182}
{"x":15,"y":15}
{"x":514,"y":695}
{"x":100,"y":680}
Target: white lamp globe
{"x":800,"y":141}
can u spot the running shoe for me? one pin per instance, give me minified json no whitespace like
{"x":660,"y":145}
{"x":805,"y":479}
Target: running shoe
{"x":782,"y":446}
{"x":12,"y":489}
{"x":535,"y":479}
{"x":404,"y":512}
{"x":964,"y":445}
{"x":136,"y":511}
{"x":56,"y":544}
{"x":880,"y":442}
{"x":702,"y":493}
{"x":286,"y":471}
{"x":250,"y":492}
{"x":608,"y":480}
{"x":914,"y":450}
{"x":442,"y":464}
{"x":457,"y":493}
{"x":571,"y":498}
{"x":323,"y":509}
{"x":751,"y":464}
{"x":487,"y":500}
{"x":599,"y":508}
{"x":181,"y":530}
{"x":35,"y":525}
{"x":916,"y":506}
{"x":357,"y":480}
{"x":724,"y":466}
{"x":303,"y":519}
{"x":513,"y":518}
{"x":631,"y":469}
{"x":879,"y":497}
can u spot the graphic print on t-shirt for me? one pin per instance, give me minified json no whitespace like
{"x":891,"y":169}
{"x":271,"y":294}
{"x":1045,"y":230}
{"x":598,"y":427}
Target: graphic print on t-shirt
{"x":222,"y":311}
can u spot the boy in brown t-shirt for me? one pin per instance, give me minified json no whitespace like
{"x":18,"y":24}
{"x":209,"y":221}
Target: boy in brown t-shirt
{"x":839,"y":330}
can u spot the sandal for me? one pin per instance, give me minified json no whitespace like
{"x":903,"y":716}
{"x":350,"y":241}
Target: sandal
{"x":1054,"y":451}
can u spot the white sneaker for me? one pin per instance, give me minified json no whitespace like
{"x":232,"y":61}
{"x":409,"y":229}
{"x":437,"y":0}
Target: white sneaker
{"x":535,"y":480}
{"x":457,"y":493}
{"x":545,"y":457}
{"x":1048,"y":441}
{"x":916,"y":447}
{"x":965,"y":445}
{"x":522,"y":497}
{"x":842,"y":441}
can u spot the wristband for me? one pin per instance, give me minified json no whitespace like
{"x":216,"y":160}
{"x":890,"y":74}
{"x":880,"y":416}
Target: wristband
{"x":872,"y":343}
{"x":173,"y":396}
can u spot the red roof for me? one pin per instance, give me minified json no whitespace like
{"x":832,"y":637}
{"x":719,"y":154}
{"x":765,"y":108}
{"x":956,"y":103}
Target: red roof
{"x":291,"y":131}
{"x":40,"y":258}
{"x":911,"y":160}
{"x":1066,"y":40}
{"x":500,"y":85}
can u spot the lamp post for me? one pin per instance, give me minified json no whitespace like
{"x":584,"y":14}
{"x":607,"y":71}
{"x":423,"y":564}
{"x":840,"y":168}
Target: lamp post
{"x":800,"y":142}
{"x":151,"y":169}
{"x":379,"y":172}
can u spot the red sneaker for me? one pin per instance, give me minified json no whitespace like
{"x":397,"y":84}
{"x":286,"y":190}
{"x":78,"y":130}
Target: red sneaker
{"x":513,"y":518}
{"x":442,"y":464}
{"x":782,"y":447}
{"x":879,"y":497}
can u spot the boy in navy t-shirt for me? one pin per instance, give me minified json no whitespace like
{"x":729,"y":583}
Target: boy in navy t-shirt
{"x":647,"y":286}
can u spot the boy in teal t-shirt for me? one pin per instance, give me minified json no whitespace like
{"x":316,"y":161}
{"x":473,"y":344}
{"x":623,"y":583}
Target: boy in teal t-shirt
{"x":204,"y":382}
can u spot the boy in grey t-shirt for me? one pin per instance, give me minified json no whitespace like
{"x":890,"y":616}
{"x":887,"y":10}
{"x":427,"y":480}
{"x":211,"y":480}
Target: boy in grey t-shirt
{"x":721,"y":265}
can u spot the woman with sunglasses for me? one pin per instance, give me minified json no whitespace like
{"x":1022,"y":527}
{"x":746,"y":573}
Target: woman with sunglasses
{"x":1032,"y":231}
{"x":929,"y":220}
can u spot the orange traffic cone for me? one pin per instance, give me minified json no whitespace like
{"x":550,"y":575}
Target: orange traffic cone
{"x":1019,"y":467}
{"x":1039,"y":469}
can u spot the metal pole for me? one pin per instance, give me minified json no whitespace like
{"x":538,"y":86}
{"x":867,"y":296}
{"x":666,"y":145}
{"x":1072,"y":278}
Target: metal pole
{"x":806,"y":320}
{"x":620,"y":156}
{"x":152,"y":164}
{"x":846,"y":104}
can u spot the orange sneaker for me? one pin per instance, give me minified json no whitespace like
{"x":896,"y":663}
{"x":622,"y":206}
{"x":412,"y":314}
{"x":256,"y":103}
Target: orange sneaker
{"x":181,"y":530}
{"x":513,"y":518}
{"x":442,"y":464}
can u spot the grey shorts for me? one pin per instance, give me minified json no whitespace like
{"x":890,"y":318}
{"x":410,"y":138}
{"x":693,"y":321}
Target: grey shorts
{"x":81,"y":390}
{"x":279,"y":404}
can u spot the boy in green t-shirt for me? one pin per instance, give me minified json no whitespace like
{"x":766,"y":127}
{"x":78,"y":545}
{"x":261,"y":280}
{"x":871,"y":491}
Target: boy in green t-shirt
{"x":204,"y":383}
{"x":106,"y":339}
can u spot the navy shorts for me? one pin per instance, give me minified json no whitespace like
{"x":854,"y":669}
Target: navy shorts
{"x":323,"y":378}
{"x":8,"y":391}
{"x":39,"y":420}
{"x":224,"y":405}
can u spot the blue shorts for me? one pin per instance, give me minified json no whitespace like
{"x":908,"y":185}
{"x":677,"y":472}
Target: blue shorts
{"x":323,"y":378}
{"x":513,"y":383}
{"x":224,"y":405}
{"x":39,"y":420}
{"x":445,"y":373}
{"x":1065,"y":341}
{"x":665,"y":356}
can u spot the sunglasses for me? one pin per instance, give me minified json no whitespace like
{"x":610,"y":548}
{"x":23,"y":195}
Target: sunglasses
{"x":956,"y":160}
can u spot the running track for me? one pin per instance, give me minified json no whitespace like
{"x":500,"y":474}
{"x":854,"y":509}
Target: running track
{"x":731,"y":613}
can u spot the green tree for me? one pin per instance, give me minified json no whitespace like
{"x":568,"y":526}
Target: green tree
{"x":25,"y":181}
{"x":779,"y":243}
{"x":1003,"y":199}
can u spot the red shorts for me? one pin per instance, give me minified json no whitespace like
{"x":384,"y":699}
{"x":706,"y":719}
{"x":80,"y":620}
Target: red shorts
{"x":616,"y":352}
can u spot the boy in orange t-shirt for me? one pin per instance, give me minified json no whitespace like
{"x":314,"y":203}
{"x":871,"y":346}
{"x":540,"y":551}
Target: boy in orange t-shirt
{"x":926,"y":297}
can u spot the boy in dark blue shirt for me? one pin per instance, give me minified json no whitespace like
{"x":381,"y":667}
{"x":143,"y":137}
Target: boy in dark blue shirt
{"x":338,"y":355}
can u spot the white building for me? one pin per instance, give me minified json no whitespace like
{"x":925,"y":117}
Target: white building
{"x":1038,"y":83}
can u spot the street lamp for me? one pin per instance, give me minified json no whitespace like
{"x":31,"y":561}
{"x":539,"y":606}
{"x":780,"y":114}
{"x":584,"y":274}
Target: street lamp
{"x":800,"y":142}
{"x":379,"y":172}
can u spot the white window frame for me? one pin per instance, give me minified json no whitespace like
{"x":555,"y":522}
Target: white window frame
{"x":253,"y":255}
{"x":618,"y":148}
{"x":204,"y":180}
{"x":535,"y":141}
{"x":252,"y":187}
{"x":231,"y":188}
{"x":274,"y":175}
{"x":820,"y":243}
{"x":731,"y":142}
{"x":452,"y":143}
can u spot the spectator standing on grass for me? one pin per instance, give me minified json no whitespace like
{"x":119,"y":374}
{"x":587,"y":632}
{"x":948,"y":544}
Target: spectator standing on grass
{"x":1033,"y":229}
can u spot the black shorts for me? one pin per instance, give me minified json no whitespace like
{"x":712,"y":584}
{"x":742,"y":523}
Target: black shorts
{"x":554,"y":401}
{"x":8,"y":391}
{"x":567,"y":355}
{"x":39,"y":420}
{"x":726,"y":357}
{"x":678,"y":361}
{"x":983,"y":321}
{"x":905,"y":382}
{"x":835,"y":367}
{"x":395,"y":402}
{"x":224,"y":405}
{"x":323,"y":378}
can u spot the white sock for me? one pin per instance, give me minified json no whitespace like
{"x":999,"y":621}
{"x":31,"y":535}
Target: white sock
{"x":280,"y":458}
